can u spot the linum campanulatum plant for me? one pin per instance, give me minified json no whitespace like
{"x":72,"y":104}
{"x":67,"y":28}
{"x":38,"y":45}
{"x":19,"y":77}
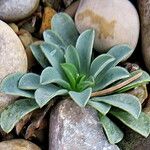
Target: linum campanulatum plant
{"x":68,"y":69}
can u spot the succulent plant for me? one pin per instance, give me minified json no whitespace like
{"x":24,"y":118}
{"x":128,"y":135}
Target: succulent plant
{"x":69,"y":69}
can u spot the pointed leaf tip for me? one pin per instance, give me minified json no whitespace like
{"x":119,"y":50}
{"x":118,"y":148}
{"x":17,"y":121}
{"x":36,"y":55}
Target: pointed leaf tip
{"x":84,"y":47}
{"x":81,"y":98}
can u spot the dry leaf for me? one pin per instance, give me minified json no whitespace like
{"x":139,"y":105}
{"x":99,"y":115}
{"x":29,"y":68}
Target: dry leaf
{"x":22,"y":123}
{"x":38,"y":122}
{"x":71,"y":10}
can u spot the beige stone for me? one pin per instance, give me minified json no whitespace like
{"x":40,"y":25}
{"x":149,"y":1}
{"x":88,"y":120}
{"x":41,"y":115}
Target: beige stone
{"x":18,"y":144}
{"x":12,"y":58}
{"x":14,"y":10}
{"x":115,"y":22}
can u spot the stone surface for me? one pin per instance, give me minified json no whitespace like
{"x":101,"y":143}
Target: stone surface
{"x":14,"y":10}
{"x":140,"y":92}
{"x":12,"y":58}
{"x":75,"y":128}
{"x":115,"y":22}
{"x":18,"y":144}
{"x":144,"y":11}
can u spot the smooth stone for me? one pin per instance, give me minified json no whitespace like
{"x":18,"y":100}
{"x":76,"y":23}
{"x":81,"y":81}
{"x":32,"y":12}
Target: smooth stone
{"x":18,"y":144}
{"x":144,"y":11}
{"x":14,"y":10}
{"x":76,"y":128}
{"x":12,"y":58}
{"x":140,"y":92}
{"x":115,"y":22}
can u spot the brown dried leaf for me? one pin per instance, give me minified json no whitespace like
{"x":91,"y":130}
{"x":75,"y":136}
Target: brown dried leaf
{"x":71,"y":10}
{"x":34,"y":126}
{"x":22,"y":123}
{"x":39,"y":122}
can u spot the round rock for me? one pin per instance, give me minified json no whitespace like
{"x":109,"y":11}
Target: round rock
{"x":115,"y":22}
{"x":14,"y":10}
{"x":18,"y":144}
{"x":12,"y":58}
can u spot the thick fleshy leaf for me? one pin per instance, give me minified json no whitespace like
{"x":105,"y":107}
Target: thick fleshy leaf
{"x":81,"y":98}
{"x":53,"y":53}
{"x":84,"y":83}
{"x":84,"y":47}
{"x":100,"y":106}
{"x":100,"y":63}
{"x":145,"y":78}
{"x":39,"y":56}
{"x":16,"y":111}
{"x":72,"y":56}
{"x":125,"y":102}
{"x":71,"y":72}
{"x":45,"y":93}
{"x":120,"y":52}
{"x":52,"y":75}
{"x":114,"y":134}
{"x":51,"y":36}
{"x":112,"y":75}
{"x":29,"y":81}
{"x":9,"y":85}
{"x":64,"y":26}
{"x":140,"y":125}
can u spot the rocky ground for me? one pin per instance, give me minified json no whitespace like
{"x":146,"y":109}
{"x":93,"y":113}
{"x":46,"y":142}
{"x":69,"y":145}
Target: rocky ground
{"x":68,"y":127}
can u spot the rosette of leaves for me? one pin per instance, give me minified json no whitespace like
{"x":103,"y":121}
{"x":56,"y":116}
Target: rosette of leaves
{"x":69,"y":69}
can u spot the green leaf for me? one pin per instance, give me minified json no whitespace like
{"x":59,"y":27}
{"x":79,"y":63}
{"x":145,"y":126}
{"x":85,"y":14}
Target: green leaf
{"x":140,"y":125}
{"x":100,"y":63}
{"x":52,"y":75}
{"x":51,"y":36}
{"x":112,"y":75}
{"x":9,"y":85}
{"x":39,"y":56}
{"x":15,"y":112}
{"x":81,"y":98}
{"x":72,"y":56}
{"x":45,"y":93}
{"x":64,"y":26}
{"x":125,"y":102}
{"x":84,"y":47}
{"x":114,"y":134}
{"x":71,"y":72}
{"x":29,"y":81}
{"x":85,"y":83}
{"x":54,"y":54}
{"x":120,"y":52}
{"x":100,"y":106}
{"x":145,"y":78}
